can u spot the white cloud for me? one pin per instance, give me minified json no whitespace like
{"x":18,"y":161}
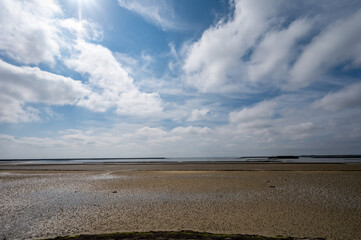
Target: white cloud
{"x":339,"y":43}
{"x":151,"y":132}
{"x":12,"y":111}
{"x":28,"y":32}
{"x":298,"y":131}
{"x":192,"y":130}
{"x":139,"y":103}
{"x":32,"y":33}
{"x":130,"y":64}
{"x":103,"y":69}
{"x":112,"y":85}
{"x":156,"y":135}
{"x":260,"y":111}
{"x":198,"y":114}
{"x":271,"y":59}
{"x":140,"y":68}
{"x":252,"y":125}
{"x":274,"y":45}
{"x":83,"y":29}
{"x":80,"y":139}
{"x":158,"y":12}
{"x":214,"y":62}
{"x":34,"y":85}
{"x":163,"y":140}
{"x":20,"y":85}
{"x":346,"y":98}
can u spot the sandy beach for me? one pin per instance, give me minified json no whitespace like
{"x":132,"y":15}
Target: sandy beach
{"x":299,"y":200}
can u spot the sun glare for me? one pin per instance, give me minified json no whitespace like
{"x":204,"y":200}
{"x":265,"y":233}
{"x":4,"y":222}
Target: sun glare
{"x":84,"y":4}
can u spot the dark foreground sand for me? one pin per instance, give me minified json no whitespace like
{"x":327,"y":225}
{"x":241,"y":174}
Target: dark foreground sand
{"x":300,"y":200}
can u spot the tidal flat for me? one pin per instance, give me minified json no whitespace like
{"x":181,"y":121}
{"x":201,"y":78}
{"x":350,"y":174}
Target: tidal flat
{"x":268,"y":199}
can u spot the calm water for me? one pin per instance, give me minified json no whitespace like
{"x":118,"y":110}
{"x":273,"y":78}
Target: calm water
{"x":209,"y":159}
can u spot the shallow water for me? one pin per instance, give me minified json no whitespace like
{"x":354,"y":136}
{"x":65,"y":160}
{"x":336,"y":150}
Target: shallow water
{"x":178,"y":160}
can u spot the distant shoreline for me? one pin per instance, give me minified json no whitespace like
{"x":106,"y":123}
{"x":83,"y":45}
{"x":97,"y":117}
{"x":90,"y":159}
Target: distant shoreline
{"x":162,"y":160}
{"x":65,"y":159}
{"x":276,"y":157}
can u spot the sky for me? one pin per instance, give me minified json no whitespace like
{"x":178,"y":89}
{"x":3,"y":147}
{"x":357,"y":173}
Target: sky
{"x":189,"y":78}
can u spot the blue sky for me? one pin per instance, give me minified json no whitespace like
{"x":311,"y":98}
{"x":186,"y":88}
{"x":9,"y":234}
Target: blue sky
{"x":179,"y":78}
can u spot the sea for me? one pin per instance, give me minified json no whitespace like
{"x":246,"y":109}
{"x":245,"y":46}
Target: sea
{"x":262,"y":159}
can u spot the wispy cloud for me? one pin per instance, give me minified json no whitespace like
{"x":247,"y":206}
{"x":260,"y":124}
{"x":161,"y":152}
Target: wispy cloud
{"x":337,"y":44}
{"x":157,"y":12}
{"x":198,"y":114}
{"x":347,"y":98}
{"x":258,"y":47}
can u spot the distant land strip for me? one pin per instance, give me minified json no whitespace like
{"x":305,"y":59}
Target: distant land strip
{"x":62,"y":159}
{"x":301,"y":156}
{"x":164,"y":158}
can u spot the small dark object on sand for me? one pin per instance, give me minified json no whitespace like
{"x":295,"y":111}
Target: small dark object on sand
{"x":272,"y":186}
{"x":115,"y":191}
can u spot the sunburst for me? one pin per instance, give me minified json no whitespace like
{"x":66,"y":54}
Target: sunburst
{"x":84,"y":4}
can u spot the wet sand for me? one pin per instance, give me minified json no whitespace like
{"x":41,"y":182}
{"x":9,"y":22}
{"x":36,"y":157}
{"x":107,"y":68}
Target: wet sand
{"x":300,"y":200}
